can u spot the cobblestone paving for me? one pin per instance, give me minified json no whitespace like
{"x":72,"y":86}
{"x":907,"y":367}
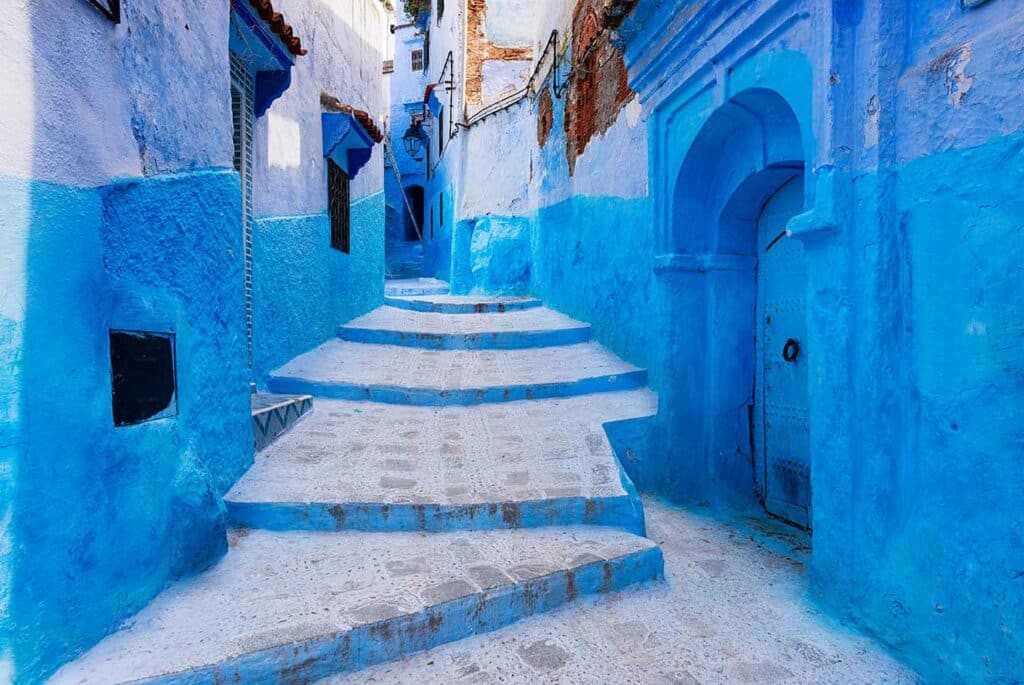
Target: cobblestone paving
{"x":406,"y":321}
{"x":337,"y":361}
{"x":731,"y":611}
{"x":414,"y":286}
{"x":274,"y":589}
{"x":517,"y":451}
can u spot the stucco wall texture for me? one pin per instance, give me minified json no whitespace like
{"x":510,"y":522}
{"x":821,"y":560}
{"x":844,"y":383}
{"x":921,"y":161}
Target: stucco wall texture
{"x":909,"y":137}
{"x":119,"y":209}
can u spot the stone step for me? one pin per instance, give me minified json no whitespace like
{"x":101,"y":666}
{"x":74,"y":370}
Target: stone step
{"x":295,"y":607}
{"x":274,"y":415}
{"x":379,"y":467}
{"x":537,"y":327}
{"x":462,"y":304}
{"x":403,"y":287}
{"x":402,"y":375}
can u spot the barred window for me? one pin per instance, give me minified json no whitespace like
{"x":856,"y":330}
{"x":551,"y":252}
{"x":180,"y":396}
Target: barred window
{"x":417,"y":60}
{"x":338,"y":206}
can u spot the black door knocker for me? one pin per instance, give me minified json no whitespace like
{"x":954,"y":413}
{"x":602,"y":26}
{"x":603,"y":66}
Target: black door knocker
{"x":791,"y":350}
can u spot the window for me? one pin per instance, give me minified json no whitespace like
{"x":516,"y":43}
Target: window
{"x":440,"y":133}
{"x":389,"y":66}
{"x":337,"y":206}
{"x":111,"y":9}
{"x":142,"y":379}
{"x":417,"y":60}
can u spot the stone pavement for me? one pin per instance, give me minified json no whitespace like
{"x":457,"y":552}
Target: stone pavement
{"x":305,"y":604}
{"x":733,"y":609}
{"x":434,"y":495}
{"x":355,"y":458}
{"x":475,"y":488}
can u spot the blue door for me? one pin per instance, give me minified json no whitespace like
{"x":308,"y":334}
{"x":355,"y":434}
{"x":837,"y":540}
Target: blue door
{"x":781,"y":432}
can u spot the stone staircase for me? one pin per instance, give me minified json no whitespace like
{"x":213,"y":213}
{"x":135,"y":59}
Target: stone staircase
{"x":455,"y":476}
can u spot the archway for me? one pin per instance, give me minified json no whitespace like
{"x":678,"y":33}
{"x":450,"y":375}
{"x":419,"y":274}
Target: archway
{"x":414,"y":194}
{"x":740,"y":182}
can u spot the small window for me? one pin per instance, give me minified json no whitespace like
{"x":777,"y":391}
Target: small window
{"x":337,"y":206}
{"x":440,"y":133}
{"x":389,"y":66}
{"x":142,"y":378}
{"x":417,"y":60}
{"x":111,"y":9}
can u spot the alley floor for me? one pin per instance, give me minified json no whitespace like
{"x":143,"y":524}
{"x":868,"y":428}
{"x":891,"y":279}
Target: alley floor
{"x":447,"y":472}
{"x":733,"y":608}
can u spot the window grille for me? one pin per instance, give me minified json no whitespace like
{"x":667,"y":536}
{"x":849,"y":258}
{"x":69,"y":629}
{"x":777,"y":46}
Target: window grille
{"x":338,"y":206}
{"x":242,"y":93}
{"x":417,"y":60}
{"x":111,"y":9}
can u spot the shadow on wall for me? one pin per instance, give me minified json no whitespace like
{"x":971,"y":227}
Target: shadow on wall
{"x":98,"y":519}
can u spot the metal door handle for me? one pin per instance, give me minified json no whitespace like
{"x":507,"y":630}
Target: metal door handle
{"x":791,"y":350}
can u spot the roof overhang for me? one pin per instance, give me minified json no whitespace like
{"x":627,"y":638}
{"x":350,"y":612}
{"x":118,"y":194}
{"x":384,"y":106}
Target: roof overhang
{"x":268,"y":47}
{"x":346,"y":142}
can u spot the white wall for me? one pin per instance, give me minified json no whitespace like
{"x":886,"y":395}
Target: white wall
{"x":86,"y":100}
{"x":347,"y":42}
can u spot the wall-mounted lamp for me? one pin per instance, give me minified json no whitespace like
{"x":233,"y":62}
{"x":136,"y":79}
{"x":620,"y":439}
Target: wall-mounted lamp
{"x":414,"y":139}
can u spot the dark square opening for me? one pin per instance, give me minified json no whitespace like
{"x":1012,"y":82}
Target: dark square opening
{"x":143,"y":382}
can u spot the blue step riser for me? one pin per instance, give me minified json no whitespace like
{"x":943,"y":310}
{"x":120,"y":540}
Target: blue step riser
{"x":392,"y":639}
{"x":460,"y":307}
{"x":621,"y":512}
{"x":415,"y":292}
{"x":429,"y":397}
{"x":507,"y":340}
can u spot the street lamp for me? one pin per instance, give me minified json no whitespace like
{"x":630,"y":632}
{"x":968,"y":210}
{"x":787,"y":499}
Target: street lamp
{"x":413,"y":140}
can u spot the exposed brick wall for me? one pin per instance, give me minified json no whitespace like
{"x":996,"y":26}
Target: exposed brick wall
{"x":599,"y":86}
{"x":479,"y":49}
{"x":545,"y":117}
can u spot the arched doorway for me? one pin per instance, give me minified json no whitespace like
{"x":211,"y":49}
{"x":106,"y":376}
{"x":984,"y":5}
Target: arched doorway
{"x":414,"y":194}
{"x":741,"y":284}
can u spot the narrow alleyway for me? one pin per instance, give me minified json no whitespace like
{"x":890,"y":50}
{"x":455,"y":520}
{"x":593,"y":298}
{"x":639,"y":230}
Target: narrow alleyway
{"x":454,"y":477}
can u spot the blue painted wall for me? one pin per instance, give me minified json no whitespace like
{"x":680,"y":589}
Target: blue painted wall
{"x":144,"y":499}
{"x":304,"y":289}
{"x":909,"y":121}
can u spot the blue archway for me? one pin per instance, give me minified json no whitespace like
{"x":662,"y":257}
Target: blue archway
{"x":745,"y":151}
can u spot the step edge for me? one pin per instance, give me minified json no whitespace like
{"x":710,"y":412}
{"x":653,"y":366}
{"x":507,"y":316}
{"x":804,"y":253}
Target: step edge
{"x":271,"y":664}
{"x":424,"y":396}
{"x":618,"y":511}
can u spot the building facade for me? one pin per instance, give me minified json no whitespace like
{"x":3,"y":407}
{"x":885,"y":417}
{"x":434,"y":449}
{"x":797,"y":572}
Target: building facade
{"x":804,"y":219}
{"x":171,"y":214}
